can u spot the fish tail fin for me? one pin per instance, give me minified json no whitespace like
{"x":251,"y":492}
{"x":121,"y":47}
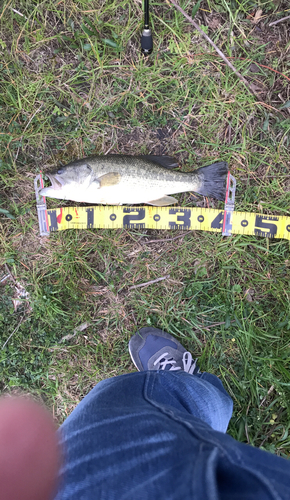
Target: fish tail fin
{"x":213,"y":180}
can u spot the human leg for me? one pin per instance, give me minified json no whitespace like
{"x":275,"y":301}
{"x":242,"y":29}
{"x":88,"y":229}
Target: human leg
{"x":148,"y":435}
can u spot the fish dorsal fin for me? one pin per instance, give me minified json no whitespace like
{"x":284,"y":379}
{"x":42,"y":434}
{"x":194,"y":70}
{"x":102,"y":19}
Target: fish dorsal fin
{"x":162,"y":202}
{"x":110,"y":179}
{"x":163,"y":161}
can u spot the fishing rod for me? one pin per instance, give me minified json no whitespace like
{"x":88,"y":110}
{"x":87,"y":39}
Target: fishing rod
{"x":146,"y":38}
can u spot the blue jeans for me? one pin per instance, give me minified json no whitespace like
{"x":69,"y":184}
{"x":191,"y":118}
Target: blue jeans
{"x":161,"y":436}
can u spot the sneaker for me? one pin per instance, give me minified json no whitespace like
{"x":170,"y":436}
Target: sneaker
{"x":153,"y":349}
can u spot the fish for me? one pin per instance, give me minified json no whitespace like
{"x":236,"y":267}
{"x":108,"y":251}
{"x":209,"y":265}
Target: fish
{"x":123,"y":179}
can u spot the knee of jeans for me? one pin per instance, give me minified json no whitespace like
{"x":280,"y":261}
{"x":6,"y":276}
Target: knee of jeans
{"x":214,"y":380}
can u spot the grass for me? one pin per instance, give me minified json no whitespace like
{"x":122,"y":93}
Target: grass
{"x":73,"y":82}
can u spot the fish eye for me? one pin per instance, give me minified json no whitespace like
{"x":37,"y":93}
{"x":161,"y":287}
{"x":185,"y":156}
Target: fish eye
{"x":60,"y":171}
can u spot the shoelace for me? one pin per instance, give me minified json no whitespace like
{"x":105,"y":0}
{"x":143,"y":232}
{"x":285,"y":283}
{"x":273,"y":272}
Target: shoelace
{"x":189,"y":364}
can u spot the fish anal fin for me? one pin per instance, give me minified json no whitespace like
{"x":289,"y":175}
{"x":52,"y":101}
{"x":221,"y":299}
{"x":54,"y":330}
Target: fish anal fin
{"x":163,"y":202}
{"x":110,"y":179}
{"x":163,"y":161}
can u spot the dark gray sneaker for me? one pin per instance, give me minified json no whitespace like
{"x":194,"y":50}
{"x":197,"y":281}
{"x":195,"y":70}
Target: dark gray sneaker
{"x":153,"y":349}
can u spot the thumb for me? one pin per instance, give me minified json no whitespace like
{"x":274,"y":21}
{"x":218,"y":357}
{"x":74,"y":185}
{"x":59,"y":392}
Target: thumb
{"x":29,"y":456}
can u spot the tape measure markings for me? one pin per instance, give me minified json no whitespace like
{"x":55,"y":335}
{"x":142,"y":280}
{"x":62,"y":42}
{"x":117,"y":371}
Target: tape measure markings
{"x":182,"y":218}
{"x":270,"y":226}
{"x":224,"y":221}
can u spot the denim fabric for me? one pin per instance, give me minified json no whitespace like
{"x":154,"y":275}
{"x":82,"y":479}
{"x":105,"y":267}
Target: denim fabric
{"x":161,"y":436}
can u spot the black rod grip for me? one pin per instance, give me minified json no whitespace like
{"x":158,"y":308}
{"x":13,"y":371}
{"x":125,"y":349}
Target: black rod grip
{"x":146,"y":42}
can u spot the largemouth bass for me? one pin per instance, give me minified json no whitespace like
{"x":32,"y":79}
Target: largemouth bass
{"x":123,"y":179}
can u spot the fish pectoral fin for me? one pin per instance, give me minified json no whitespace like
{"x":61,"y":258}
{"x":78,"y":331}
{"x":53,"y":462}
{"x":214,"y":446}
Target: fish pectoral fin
{"x":163,"y":161}
{"x":110,"y":179}
{"x":162,"y":202}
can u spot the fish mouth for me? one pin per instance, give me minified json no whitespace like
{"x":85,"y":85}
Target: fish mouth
{"x":56,"y":182}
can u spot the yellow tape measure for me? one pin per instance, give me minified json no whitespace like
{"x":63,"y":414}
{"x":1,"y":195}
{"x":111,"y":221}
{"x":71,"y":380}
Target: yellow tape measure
{"x":202,"y":219}
{"x":225,"y":221}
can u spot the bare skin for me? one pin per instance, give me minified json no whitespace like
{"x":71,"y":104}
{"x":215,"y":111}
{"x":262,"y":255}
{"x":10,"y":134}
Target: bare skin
{"x":29,"y":455}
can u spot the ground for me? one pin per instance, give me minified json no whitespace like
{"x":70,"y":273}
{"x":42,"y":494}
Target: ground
{"x":73,"y":83}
